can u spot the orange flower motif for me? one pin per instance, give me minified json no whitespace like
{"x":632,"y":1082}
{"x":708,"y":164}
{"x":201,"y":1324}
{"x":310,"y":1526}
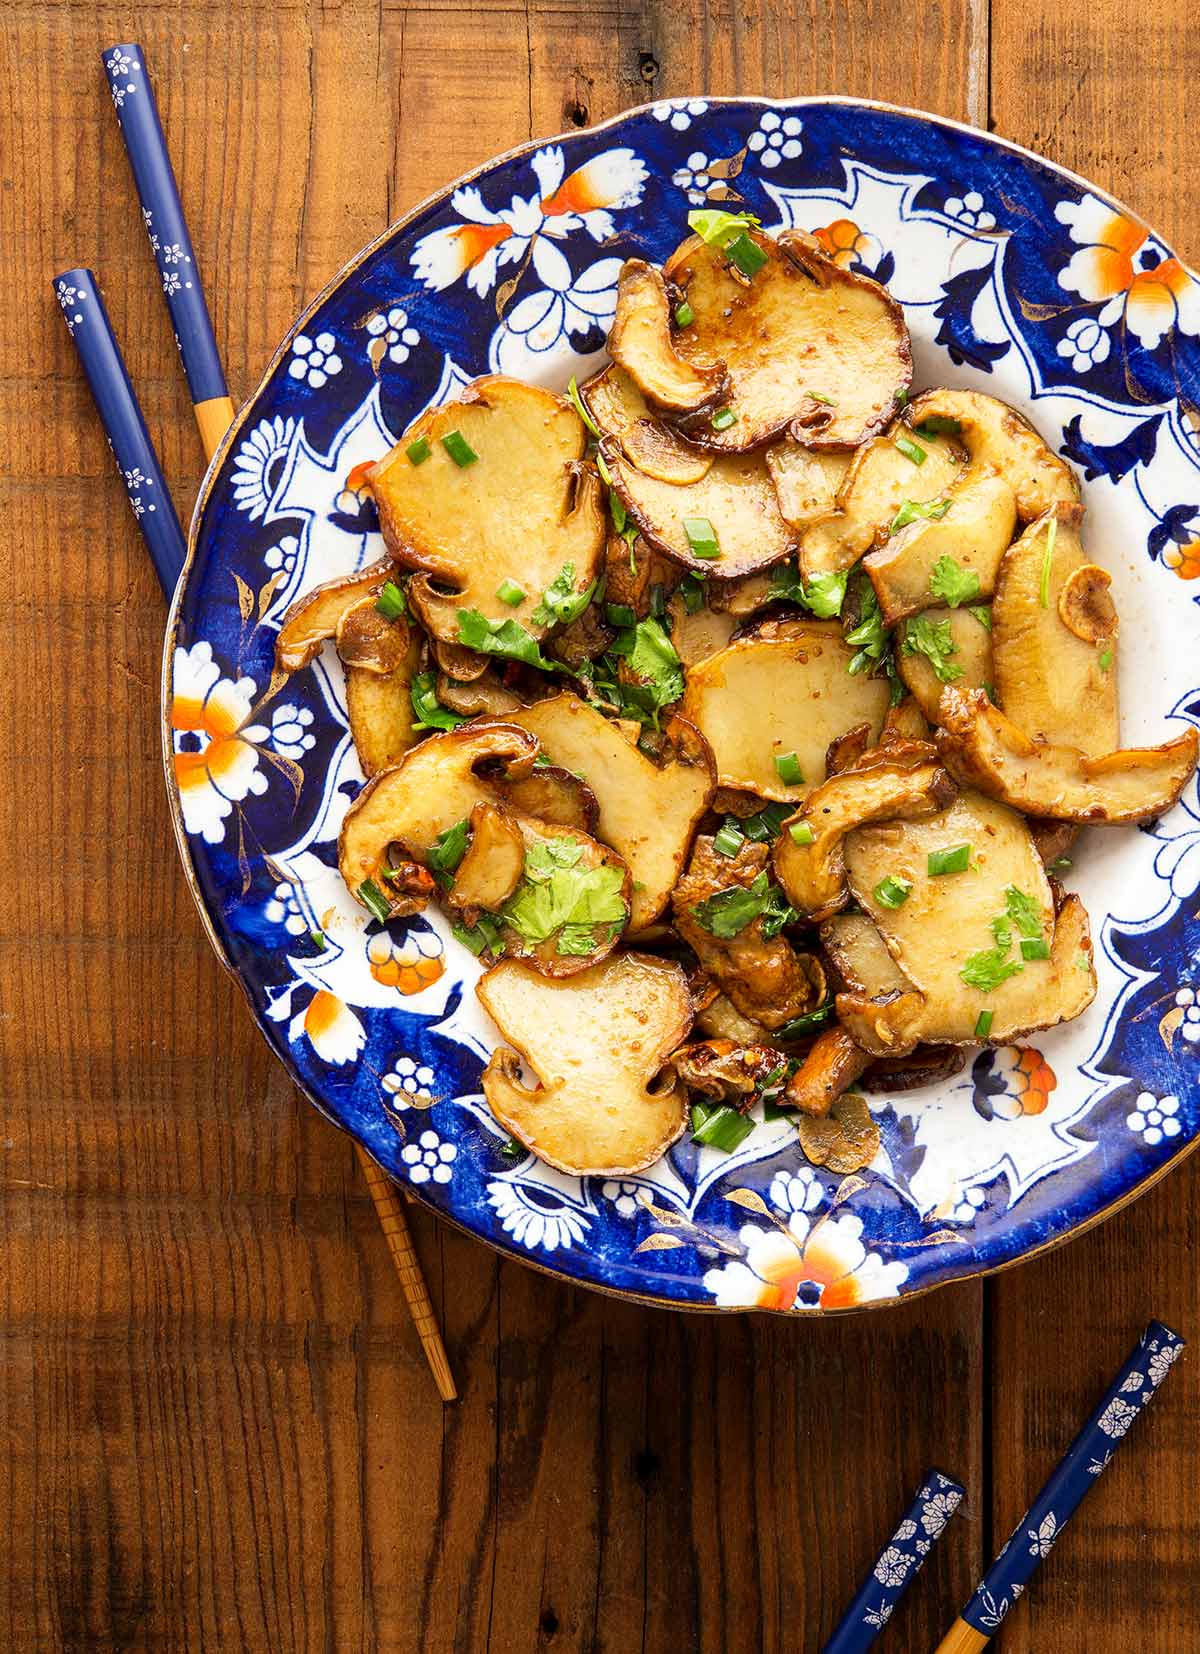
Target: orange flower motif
{"x":843,"y":241}
{"x":1034,"y":1080}
{"x":215,"y":757}
{"x":1152,"y":299}
{"x":1010,"y":1082}
{"x":1185,"y":560}
{"x":822,"y":1266}
{"x":410,"y":965}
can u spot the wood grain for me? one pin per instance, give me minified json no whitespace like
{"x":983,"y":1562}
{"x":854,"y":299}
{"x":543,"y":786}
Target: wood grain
{"x":217,"y":1427}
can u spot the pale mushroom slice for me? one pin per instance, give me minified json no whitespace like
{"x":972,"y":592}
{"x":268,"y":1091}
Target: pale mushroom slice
{"x":641,"y":342}
{"x":488,"y":489}
{"x":985,"y":749}
{"x":698,"y":633}
{"x":648,"y":810}
{"x":966,"y":656}
{"x":771,"y":696}
{"x":315,"y":617}
{"x":809,"y":348}
{"x":492,"y":863}
{"x":721,"y":1019}
{"x":619,"y":410}
{"x":884,"y":475}
{"x":596,"y":1043}
{"x":981,"y":942}
{"x":472,"y":696}
{"x":998,"y":439}
{"x":380,"y":710}
{"x":1054,"y":638}
{"x":902,"y":780}
{"x":951,"y":558}
{"x":806,"y":481}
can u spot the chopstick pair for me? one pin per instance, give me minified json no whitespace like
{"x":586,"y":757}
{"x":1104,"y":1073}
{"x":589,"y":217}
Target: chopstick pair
{"x":87,"y":320}
{"x":1032,"y":1539}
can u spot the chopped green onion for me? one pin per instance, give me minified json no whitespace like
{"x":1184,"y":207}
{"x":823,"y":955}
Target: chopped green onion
{"x":939,"y":425}
{"x":509,"y":592}
{"x":605,"y":473}
{"x":685,"y":315}
{"x":723,"y":1128}
{"x":317,"y":937}
{"x":766,"y":824}
{"x":801,"y":832}
{"x":620,"y":614}
{"x":746,"y":254}
{"x":816,"y":396}
{"x":787,"y":766}
{"x":911,"y":450}
{"x":901,"y":399}
{"x":430,"y":713}
{"x":370,"y":895}
{"x":1034,"y":947}
{"x":1060,"y":864}
{"x":512,"y":1150}
{"x":723,"y":419}
{"x":702,"y":537}
{"x":911,"y":510}
{"x":446,"y":851}
{"x":810,"y":1023}
{"x":418,"y":451}
{"x":956,"y":859}
{"x":390,"y":602}
{"x":459,"y":449}
{"x":577,"y":404}
{"x":893,"y":892}
{"x":983,"y":1024}
{"x":728,"y":839}
{"x":691,"y":588}
{"x":1047,"y":557}
{"x":1106,"y":656}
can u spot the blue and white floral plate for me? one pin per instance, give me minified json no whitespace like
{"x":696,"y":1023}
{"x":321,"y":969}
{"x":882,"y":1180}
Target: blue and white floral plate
{"x":1016,"y":277}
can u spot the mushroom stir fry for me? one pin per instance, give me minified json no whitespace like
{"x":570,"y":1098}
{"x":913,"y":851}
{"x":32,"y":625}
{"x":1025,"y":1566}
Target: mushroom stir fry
{"x":739,"y":711}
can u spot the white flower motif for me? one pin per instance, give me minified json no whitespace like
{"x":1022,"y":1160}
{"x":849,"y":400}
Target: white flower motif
{"x":892,"y":1567}
{"x":1086,"y":343}
{"x":398,"y":338}
{"x":147,"y":217}
{"x":566,"y":304}
{"x":624,"y":1197}
{"x":938,"y":1511}
{"x":429,"y":1159}
{"x":1154,"y":1118}
{"x":878,"y":1617}
{"x":906,"y":1530}
{"x":314,"y":360}
{"x":969,"y":1206}
{"x":409,"y":1083}
{"x":679,"y":115}
{"x":284,"y":909}
{"x":68,"y":296}
{"x":258,"y":458}
{"x":1189,"y":1028}
{"x":694,"y":177}
{"x":1117,"y":1417}
{"x":1043,"y":1536}
{"x":968,"y":210}
{"x":525,"y":1215}
{"x":171,"y":282}
{"x":776,"y":139}
{"x":135,"y":479}
{"x":795,"y":1191}
{"x":1161,"y":1362}
{"x":283,"y":556}
{"x":136,"y":506}
{"x":289,"y":731}
{"x":120,"y":63}
{"x":173,"y":253}
{"x":120,"y":93}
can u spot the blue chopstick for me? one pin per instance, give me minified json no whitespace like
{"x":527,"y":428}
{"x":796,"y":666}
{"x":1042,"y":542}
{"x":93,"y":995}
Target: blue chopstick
{"x":898,"y":1564}
{"x":87,"y":321}
{"x":137,"y":113}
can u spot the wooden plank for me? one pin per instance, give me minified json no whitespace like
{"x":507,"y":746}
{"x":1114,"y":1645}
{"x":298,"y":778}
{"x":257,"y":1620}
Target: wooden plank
{"x":1109,"y":94}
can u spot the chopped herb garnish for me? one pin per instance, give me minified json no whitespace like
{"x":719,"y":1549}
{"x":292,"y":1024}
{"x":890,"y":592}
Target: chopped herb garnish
{"x":577,"y":941}
{"x":901,"y":399}
{"x":956,"y":858}
{"x":691,"y":589}
{"x":418,"y":451}
{"x":777,"y":913}
{"x":370,"y":895}
{"x":483,"y":936}
{"x":823,"y":595}
{"x":933,"y":639}
{"x":446,"y":851}
{"x":577,"y":404}
{"x":658,"y":602}
{"x":952,"y":583}
{"x":430,"y":713}
{"x":871,"y":640}
{"x":509,"y":592}
{"x":728,"y":912}
{"x":317,"y":938}
{"x":721,"y":1128}
{"x":684,"y":315}
{"x":913,"y":510}
{"x":939,"y":425}
{"x":801,"y":832}
{"x":1106,"y":657}
{"x":811,"y":1022}
{"x":602,"y":467}
{"x":816,"y":396}
{"x":1023,"y":911}
{"x":911,"y":450}
{"x":983,"y":1024}
{"x":506,"y":638}
{"x":1034,"y":947}
{"x":560,"y":600}
{"x":983,"y":614}
{"x":746,"y":254}
{"x":728,"y":840}
{"x":719,"y":228}
{"x":765,"y":825}
{"x":1047,"y":559}
{"x":1002,"y":931}
{"x":893,"y":891}
{"x":652,"y":662}
{"x":616,"y":506}
{"x":620,"y":614}
{"x":391,"y":602}
{"x":459,"y":449}
{"x":1060,"y":864}
{"x":723,"y":419}
{"x":987,"y":970}
{"x":787,"y":767}
{"x":701,"y":537}
{"x":512,"y":1150}
{"x":555,"y":893}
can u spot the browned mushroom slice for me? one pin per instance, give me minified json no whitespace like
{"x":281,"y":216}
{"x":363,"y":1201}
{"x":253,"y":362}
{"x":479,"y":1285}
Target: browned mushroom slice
{"x":698,"y":633}
{"x":1054,"y":635}
{"x":742,"y":598}
{"x":1054,"y":839}
{"x":844,"y":1140}
{"x":998,"y":439}
{"x":492,"y":863}
{"x":833,"y":1064}
{"x":902,"y":780}
{"x":648,"y":810}
{"x":961,"y":643}
{"x":501,"y":496}
{"x":985,"y":749}
{"x":369,"y":641}
{"x":926,"y":1065}
{"x":379,"y":707}
{"x":845,"y":751}
{"x":315,"y":617}
{"x":721,"y":1019}
{"x":806,"y":481}
{"x":809,"y":348}
{"x":641,"y":342}
{"x":619,"y":410}
{"x":973,"y":534}
{"x":905,"y":721}
{"x":472,"y":696}
{"x":457,"y":662}
{"x":571,"y":902}
{"x":596,"y":1043}
{"x":723,"y":1070}
{"x":552,"y":794}
{"x":795,"y":678}
{"x":723,"y":909}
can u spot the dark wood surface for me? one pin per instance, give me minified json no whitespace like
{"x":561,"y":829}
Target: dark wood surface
{"x":216,"y":1426}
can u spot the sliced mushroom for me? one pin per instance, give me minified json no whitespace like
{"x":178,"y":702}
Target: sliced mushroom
{"x":379,"y":707}
{"x":1054,"y":839}
{"x":985,"y":749}
{"x":632,"y":573}
{"x":806,"y":481}
{"x":998,"y":439}
{"x":492,"y":864}
{"x":794,"y":677}
{"x":619,"y":410}
{"x":845,"y":751}
{"x":926,"y":1065}
{"x":457,"y":662}
{"x":809,"y":348}
{"x":970,"y":657}
{"x":723,"y":1070}
{"x":532,"y":923}
{"x":905,"y":721}
{"x":975,"y":532}
{"x":742,"y":598}
{"x":553,"y":794}
{"x":833,"y":1064}
{"x":368,"y":641}
{"x":721,"y":1019}
{"x":648,"y":811}
{"x":596,"y":1043}
{"x":521,"y":509}
{"x":641,"y":342}
{"x":484,"y":694}
{"x":844,"y":1140}
{"x":1055,"y":668}
{"x":315,"y":617}
{"x":699,"y":633}
{"x":764,"y":976}
{"x":902,"y":780}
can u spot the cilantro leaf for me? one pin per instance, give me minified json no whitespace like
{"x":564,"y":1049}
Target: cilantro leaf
{"x":777,"y":912}
{"x":987,"y":970}
{"x":932,"y":639}
{"x":1023,"y":911}
{"x":560,"y":600}
{"x":823,"y":595}
{"x":541,"y":859}
{"x":651,"y":661}
{"x":556,"y":894}
{"x":507,"y":638}
{"x":911,"y":510}
{"x":952,"y":583}
{"x":577,"y":940}
{"x":728,"y":912}
{"x":720,"y":228}
{"x":982,"y":612}
{"x":428,"y":710}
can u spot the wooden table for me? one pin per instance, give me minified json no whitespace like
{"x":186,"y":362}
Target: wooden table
{"x":217,"y":1429}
